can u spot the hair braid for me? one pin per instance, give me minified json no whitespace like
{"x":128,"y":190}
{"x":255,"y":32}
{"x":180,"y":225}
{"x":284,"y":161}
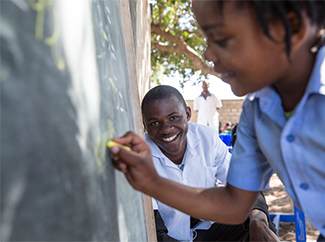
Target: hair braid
{"x":268,"y":11}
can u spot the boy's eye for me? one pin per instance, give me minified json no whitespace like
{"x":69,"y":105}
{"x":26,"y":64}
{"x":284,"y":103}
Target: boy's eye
{"x":154,"y":123}
{"x":173,"y":118}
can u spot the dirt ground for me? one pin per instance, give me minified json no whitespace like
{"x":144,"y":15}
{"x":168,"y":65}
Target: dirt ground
{"x":280,"y":202}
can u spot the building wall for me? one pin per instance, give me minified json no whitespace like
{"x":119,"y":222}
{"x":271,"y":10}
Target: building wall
{"x":230,"y":111}
{"x":142,"y":38}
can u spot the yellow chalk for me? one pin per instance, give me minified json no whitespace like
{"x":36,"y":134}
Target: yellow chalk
{"x":111,"y":143}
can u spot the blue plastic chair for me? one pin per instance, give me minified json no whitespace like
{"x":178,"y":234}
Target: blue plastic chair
{"x":226,"y":138}
{"x":298,"y":218}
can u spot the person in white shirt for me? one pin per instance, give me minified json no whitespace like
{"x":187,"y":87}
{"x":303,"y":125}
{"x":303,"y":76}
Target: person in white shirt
{"x":192,"y":154}
{"x":207,"y":105}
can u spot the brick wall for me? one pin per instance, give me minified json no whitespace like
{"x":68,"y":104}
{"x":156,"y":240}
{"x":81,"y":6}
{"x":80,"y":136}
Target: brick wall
{"x":230,"y":111}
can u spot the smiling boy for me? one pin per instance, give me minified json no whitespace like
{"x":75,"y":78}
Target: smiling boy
{"x":193,"y":155}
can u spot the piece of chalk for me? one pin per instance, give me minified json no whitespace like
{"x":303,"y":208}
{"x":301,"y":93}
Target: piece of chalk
{"x":112,"y":143}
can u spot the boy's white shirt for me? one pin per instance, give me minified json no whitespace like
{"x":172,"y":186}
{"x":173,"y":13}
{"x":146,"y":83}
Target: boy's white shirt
{"x":206,"y":158}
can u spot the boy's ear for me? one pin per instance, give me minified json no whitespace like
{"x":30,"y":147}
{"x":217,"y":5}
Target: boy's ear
{"x":144,"y":126}
{"x":188,"y":113}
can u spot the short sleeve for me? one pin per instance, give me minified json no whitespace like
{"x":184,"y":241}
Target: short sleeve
{"x":249,"y":168}
{"x":218,"y":102}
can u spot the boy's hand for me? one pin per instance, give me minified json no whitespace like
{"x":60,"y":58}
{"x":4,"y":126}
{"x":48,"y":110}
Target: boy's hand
{"x":136,"y":164}
{"x":259,"y":227}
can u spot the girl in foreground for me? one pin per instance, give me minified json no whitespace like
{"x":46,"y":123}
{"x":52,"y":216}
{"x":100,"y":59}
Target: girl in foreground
{"x":273,"y":52}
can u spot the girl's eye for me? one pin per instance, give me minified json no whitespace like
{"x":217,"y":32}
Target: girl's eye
{"x":154,"y":123}
{"x":222,"y":43}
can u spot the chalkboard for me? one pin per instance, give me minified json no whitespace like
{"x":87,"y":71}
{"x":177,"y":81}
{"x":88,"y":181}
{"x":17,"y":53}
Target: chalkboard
{"x":65,"y":91}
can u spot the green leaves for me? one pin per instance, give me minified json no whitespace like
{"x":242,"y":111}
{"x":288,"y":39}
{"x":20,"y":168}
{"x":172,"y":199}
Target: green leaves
{"x":177,"y":31}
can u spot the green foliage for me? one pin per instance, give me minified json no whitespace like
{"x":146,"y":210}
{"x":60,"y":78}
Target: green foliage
{"x":157,"y":71}
{"x":176,"y":17}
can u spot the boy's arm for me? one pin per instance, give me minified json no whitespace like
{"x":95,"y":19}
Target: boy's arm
{"x":228,"y":204}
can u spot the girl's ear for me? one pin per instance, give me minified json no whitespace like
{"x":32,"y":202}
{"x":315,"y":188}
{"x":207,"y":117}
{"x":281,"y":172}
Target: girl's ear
{"x":294,"y":22}
{"x":188,"y":113}
{"x":300,"y":32}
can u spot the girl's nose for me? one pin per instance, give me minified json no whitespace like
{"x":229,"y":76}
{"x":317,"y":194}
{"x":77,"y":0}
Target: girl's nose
{"x":209,"y":55}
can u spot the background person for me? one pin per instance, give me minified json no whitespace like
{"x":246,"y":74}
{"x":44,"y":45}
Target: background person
{"x":207,"y":105}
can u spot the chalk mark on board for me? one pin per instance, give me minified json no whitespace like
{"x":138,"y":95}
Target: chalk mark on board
{"x":105,"y":36}
{"x":106,"y":49}
{"x":111,"y":81}
{"x":14,"y":198}
{"x":101,"y":147}
{"x":108,"y":13}
{"x":41,"y":7}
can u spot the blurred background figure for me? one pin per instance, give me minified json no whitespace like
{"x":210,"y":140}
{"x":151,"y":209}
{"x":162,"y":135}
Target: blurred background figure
{"x":207,"y":105}
{"x":227,"y":128}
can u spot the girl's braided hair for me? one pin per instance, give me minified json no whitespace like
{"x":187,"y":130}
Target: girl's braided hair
{"x":268,"y":11}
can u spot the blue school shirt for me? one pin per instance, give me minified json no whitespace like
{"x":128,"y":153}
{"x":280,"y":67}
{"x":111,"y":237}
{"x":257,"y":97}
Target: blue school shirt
{"x":293,"y":148}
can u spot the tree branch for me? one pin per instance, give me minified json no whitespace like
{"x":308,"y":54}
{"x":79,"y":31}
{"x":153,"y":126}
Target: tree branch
{"x":195,"y":31}
{"x":182,"y":48}
{"x":155,"y":29}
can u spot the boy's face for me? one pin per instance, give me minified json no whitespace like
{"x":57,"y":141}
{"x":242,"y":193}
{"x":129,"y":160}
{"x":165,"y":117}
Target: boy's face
{"x":166,"y":123}
{"x":246,"y":58}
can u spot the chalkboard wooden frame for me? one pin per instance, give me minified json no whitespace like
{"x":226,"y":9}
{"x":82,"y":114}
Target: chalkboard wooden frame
{"x":137,"y":117}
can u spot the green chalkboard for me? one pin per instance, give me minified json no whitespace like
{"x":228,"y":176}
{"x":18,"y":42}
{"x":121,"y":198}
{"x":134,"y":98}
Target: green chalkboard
{"x":65,"y":92}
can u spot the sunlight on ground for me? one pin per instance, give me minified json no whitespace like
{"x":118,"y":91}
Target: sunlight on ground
{"x":279,"y":202}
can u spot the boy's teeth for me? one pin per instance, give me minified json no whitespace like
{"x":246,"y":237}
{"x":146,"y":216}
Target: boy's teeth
{"x":170,"y":138}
